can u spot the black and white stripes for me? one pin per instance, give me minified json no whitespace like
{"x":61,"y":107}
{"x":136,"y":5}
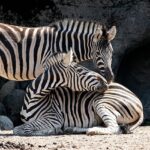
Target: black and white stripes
{"x":24,"y":51}
{"x":65,"y":73}
{"x":64,"y":110}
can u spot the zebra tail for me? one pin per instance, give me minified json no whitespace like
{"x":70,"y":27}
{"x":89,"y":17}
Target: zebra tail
{"x":139,"y":122}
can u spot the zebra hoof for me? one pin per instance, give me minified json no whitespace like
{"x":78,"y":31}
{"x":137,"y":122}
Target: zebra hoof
{"x":6,"y":123}
{"x":93,"y":131}
{"x":124,"y":129}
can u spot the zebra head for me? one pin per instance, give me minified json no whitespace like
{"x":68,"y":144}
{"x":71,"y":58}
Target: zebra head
{"x":80,"y":78}
{"x":102,"y":51}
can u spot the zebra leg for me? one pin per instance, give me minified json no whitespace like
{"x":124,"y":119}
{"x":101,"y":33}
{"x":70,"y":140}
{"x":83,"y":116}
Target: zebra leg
{"x":75,"y":130}
{"x":32,"y":129}
{"x":110,"y":122}
{"x":50,"y":125}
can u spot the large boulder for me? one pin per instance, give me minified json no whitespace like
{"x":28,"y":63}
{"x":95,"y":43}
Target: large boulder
{"x":5,"y":123}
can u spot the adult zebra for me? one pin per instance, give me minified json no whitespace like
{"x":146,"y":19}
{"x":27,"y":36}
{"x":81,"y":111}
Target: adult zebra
{"x":115,"y":111}
{"x":24,"y":51}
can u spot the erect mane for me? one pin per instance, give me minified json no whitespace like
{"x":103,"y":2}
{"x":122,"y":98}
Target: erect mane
{"x":67,"y":21}
{"x":55,"y":58}
{"x":74,"y":20}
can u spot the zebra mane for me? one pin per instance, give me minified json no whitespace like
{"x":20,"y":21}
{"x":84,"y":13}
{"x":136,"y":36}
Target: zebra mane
{"x":65,"y":22}
{"x":55,"y":58}
{"x":68,"y":20}
{"x":76,"y":19}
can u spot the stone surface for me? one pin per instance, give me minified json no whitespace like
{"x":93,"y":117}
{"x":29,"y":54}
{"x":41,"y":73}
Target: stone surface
{"x":22,"y":84}
{"x":13,"y":103}
{"x":5,"y":123}
{"x":2,"y":109}
{"x":7,"y":88}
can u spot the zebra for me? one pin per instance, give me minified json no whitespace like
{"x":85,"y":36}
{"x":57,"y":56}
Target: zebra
{"x":116,"y":111}
{"x":24,"y":51}
{"x":64,"y":72}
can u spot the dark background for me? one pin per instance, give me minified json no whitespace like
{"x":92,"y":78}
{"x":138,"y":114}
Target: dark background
{"x":131,"y":59}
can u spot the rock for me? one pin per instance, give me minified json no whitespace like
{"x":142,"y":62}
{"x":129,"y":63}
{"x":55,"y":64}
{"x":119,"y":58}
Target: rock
{"x":7,"y":88}
{"x":2,"y":81}
{"x":5,"y":123}
{"x":13,"y":103}
{"x":22,"y":84}
{"x":2,"y":109}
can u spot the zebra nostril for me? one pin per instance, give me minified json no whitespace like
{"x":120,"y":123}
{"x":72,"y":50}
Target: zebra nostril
{"x":102,"y":88}
{"x":99,"y":87}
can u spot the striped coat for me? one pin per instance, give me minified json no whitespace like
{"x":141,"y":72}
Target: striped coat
{"x":24,"y":51}
{"x":116,"y":111}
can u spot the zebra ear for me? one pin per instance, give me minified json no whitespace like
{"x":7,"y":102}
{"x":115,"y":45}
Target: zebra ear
{"x":98,"y":34}
{"x":68,"y":57}
{"x":111,"y":33}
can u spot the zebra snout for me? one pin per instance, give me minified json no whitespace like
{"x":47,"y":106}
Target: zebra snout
{"x":102,"y":88}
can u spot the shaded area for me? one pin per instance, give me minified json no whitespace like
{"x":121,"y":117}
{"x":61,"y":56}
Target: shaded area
{"x":134,"y":73}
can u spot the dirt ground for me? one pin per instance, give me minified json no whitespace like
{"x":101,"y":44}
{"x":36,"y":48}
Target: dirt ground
{"x":139,"y":140}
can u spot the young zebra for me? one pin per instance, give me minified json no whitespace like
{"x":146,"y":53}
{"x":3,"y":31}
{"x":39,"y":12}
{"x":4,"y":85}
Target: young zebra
{"x":24,"y":51}
{"x":63,"y":72}
{"x":115,"y":111}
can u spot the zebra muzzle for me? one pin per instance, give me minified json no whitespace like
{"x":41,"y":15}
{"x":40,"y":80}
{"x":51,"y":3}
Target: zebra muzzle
{"x":102,"y":88}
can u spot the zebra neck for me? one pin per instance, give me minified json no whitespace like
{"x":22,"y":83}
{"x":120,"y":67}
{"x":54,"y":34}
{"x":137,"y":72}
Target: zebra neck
{"x":53,"y":60}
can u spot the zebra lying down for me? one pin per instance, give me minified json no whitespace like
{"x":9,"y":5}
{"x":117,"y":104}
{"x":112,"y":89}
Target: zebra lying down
{"x":115,"y":111}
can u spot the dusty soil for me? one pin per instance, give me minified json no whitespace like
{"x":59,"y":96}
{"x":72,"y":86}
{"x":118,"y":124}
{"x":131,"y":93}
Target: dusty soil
{"x":139,"y":140}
